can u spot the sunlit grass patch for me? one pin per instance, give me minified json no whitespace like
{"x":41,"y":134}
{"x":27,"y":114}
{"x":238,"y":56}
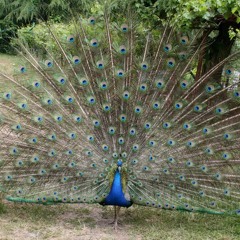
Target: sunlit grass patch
{"x":9,"y":62}
{"x":162,"y":224}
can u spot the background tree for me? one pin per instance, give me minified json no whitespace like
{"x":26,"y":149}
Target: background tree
{"x":220,"y":21}
{"x":20,"y":13}
{"x":26,"y":11}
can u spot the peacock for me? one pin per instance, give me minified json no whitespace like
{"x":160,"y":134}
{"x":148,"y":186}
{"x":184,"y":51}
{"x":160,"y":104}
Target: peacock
{"x":114,"y":114}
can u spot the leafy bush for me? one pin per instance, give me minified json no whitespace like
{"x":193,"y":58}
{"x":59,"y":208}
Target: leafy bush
{"x":7,"y":30}
{"x":38,"y":37}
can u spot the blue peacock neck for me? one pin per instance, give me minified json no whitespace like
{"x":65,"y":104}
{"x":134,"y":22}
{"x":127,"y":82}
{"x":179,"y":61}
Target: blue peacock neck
{"x":116,"y":196}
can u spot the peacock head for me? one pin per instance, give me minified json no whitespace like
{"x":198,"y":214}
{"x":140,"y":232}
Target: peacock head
{"x":119,"y":164}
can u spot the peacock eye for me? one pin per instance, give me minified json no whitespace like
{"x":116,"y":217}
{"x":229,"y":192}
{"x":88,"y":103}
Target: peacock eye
{"x":126,"y":95}
{"x":159,"y":84}
{"x":143,"y":87}
{"x":91,"y":100}
{"x":178,"y":105}
{"x":132,"y":131}
{"x":96,"y":123}
{"x":8,"y":96}
{"x":94,"y":43}
{"x":83,"y":82}
{"x":48,"y":63}
{"x":171,"y":63}
{"x":106,"y":108}
{"x":229,"y":71}
{"x":90,"y":138}
{"x":124,"y":154}
{"x":122,"y":50}
{"x":135,"y":147}
{"x":103,"y":85}
{"x":36,"y":84}
{"x":147,"y":125}
{"x":152,"y":143}
{"x":237,"y":94}
{"x":100,"y":64}
{"x":70,"y":39}
{"x":156,"y":105}
{"x":183,"y":85}
{"x":92,"y":20}
{"x":138,"y":110}
{"x":23,"y":69}
{"x":120,"y":73}
{"x":144,"y":66}
{"x":105,"y":147}
{"x":121,"y":140}
{"x":124,"y":28}
{"x":184,"y":40}
{"x":105,"y":160}
{"x":76,"y":60}
{"x":123,"y":118}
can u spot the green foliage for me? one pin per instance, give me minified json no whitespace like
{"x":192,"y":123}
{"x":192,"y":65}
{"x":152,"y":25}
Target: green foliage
{"x":192,"y":13}
{"x":181,"y":12}
{"x":7,"y":30}
{"x":234,"y":34}
{"x":14,"y":13}
{"x":25,"y":11}
{"x":37,"y":37}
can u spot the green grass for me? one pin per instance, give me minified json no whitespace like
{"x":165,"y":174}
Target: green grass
{"x":3,"y":208}
{"x":9,"y":62}
{"x":183,"y":225}
{"x":54,"y":222}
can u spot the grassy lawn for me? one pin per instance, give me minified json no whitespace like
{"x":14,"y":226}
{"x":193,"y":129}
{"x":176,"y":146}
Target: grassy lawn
{"x":8,"y":63}
{"x":80,"y":221}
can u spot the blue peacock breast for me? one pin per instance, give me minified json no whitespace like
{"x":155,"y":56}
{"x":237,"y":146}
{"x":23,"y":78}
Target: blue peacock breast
{"x":116,"y":196}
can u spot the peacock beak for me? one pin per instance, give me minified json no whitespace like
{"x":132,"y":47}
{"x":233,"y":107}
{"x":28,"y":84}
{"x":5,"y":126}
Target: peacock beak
{"x":119,"y":165}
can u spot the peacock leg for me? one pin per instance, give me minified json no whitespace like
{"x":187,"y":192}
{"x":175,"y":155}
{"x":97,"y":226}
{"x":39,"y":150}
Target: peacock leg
{"x":117,"y":210}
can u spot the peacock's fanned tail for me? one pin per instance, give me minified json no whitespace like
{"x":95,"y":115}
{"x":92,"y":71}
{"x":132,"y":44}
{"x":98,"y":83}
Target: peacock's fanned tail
{"x":112,"y":92}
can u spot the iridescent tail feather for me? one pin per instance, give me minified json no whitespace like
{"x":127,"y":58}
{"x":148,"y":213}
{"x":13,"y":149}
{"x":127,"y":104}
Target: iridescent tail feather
{"x":112,"y":91}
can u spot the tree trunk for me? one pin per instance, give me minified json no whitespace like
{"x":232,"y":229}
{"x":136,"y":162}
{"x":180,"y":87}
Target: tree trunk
{"x":219,"y":49}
